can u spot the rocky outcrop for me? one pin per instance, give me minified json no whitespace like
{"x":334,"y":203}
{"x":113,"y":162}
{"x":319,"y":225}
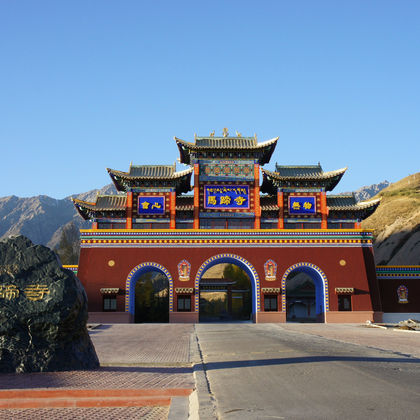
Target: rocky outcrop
{"x":43,"y":312}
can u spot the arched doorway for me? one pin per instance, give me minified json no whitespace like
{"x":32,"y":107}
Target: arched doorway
{"x":225,"y":294}
{"x":244,"y":266}
{"x":305,"y":293}
{"x":149,"y":295}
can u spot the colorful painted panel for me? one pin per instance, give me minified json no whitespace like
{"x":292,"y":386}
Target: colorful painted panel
{"x":402,"y":293}
{"x":151,"y":205}
{"x":270,"y":269}
{"x":227,"y":168}
{"x":302,"y":204}
{"x":184,"y":268}
{"x":226,"y":196}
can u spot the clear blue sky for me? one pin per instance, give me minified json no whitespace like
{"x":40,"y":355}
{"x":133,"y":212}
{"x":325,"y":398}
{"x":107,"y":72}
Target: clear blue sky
{"x":86,"y":85}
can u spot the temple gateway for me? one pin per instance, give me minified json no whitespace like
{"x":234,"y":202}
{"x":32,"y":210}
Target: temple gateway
{"x":225,"y":208}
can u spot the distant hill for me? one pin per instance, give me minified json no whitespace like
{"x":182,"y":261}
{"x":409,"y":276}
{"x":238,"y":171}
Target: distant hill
{"x":396,"y":223}
{"x":366,"y":192}
{"x":43,"y":218}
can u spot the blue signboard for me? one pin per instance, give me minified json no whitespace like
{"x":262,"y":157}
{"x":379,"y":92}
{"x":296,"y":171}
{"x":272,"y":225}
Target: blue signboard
{"x":302,"y":204}
{"x":226,"y":196}
{"x":151,"y":205}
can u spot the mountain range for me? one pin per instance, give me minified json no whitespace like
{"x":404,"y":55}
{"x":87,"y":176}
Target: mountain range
{"x":396,"y":222}
{"x":41,"y":218}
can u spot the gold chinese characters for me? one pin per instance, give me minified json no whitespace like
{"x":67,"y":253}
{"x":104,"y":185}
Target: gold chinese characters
{"x":32,"y":292}
{"x":9,"y":292}
{"x":306,"y":205}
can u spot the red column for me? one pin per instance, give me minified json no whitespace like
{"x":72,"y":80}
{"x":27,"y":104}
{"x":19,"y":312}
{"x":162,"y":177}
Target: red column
{"x":324,"y":210}
{"x":172,"y":209}
{"x":95,"y":225}
{"x":280,"y":224}
{"x":129,"y":211}
{"x":357,"y":225}
{"x":257,"y":207}
{"x":196,"y":224}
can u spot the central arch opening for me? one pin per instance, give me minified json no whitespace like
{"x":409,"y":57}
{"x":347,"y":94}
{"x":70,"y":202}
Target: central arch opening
{"x":225,"y":294}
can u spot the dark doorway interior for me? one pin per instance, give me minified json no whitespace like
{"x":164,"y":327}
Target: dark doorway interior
{"x":300,"y":298}
{"x":152,"y":298}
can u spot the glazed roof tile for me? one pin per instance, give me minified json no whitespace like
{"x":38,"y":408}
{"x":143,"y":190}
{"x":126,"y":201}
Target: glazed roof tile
{"x":309,"y":172}
{"x":299,"y":171}
{"x":348,"y":202}
{"x":150,"y":172}
{"x":225,"y":143}
{"x":104,"y":202}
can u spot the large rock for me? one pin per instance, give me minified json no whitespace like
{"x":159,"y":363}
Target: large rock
{"x":43,"y":312}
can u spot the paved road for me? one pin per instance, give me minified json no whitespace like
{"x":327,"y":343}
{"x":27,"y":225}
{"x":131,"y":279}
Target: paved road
{"x":264,"y":371}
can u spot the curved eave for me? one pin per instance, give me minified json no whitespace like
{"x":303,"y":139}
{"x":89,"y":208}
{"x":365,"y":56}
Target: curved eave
{"x":328,"y":179}
{"x":181,"y":179}
{"x":90,"y":210}
{"x":185,"y":148}
{"x":127,"y":176}
{"x":82,"y":209}
{"x":360,"y":210}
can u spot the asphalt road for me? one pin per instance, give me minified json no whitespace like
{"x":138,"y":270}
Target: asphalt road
{"x":261,"y":371}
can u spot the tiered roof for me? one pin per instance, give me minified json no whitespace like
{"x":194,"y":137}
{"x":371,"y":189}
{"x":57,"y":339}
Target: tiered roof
{"x":342,"y":205}
{"x":185,"y":203}
{"x":234,"y":145}
{"x":151,"y":175}
{"x":269,"y":203}
{"x":105,"y":204}
{"x":303,"y":175}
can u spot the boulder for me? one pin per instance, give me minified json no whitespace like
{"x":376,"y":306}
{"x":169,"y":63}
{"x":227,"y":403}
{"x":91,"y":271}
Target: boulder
{"x":43,"y":312}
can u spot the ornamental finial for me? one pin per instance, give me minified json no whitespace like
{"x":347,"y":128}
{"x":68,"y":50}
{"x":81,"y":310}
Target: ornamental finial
{"x":225,"y":132}
{"x":212,"y":134}
{"x":238,"y":134}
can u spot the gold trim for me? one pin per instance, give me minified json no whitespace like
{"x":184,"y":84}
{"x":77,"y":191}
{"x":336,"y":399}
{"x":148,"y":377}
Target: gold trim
{"x":344,"y":290}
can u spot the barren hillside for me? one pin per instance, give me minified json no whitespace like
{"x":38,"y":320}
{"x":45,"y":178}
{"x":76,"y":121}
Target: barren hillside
{"x":396,"y":223}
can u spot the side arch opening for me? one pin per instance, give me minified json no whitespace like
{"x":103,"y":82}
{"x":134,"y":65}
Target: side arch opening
{"x":304,"y":293}
{"x":149,"y":293}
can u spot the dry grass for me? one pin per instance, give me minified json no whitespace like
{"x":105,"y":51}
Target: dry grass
{"x":399,"y":208}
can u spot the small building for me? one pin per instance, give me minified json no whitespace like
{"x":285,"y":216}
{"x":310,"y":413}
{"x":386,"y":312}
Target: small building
{"x":225,"y":208}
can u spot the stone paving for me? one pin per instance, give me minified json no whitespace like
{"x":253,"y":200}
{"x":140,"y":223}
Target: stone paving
{"x":132,"y":356}
{"x":129,"y":344}
{"x":114,"y":413}
{"x":103,"y":378}
{"x":401,"y":342}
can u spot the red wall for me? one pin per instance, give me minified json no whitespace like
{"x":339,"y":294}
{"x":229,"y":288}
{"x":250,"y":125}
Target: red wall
{"x":358,"y":272}
{"x":388,"y":289}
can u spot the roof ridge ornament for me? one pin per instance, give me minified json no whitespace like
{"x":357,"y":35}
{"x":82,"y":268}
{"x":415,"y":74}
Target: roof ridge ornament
{"x":225,"y":132}
{"x":212,"y":134}
{"x":238,"y":134}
